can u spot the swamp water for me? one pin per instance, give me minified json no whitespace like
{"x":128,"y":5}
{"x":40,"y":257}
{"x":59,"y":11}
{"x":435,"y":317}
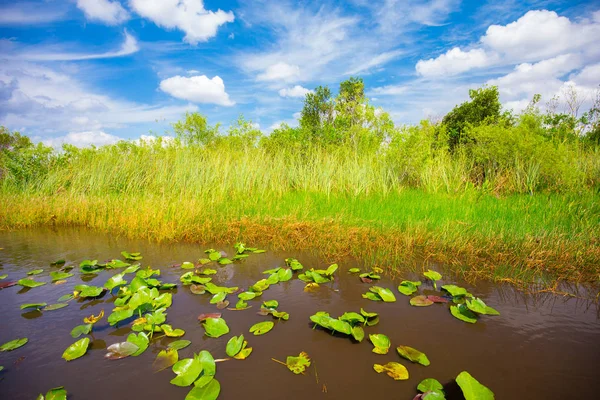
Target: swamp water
{"x":540,"y":347}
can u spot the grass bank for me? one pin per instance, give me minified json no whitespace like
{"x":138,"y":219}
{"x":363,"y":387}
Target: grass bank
{"x":337,"y":202}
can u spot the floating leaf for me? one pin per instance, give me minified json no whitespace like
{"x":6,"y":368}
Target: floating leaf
{"x":225,"y":261}
{"x":281,"y":315}
{"x":438,"y":299}
{"x":204,"y":261}
{"x":198,"y":289}
{"x":294,"y":264}
{"x":371,"y":296}
{"x":114,"y":281}
{"x":117,"y":264}
{"x":35,"y":272}
{"x":455,"y":291}
{"x":58,"y":393}
{"x":204,"y":316}
{"x":81,"y":330}
{"x":14,"y":344}
{"x":381,"y":342}
{"x":165,"y":359}
{"x":311,"y":287}
{"x":187,"y":265}
{"x":208,"y":271}
{"x":370,"y":275}
{"x":76,"y":350}
{"x":247,"y":296}
{"x":119,"y":315}
{"x":393,"y":369}
{"x":179,"y":344}
{"x":4,"y":276}
{"x":187,"y":371}
{"x":59,"y":276}
{"x":358,"y":333}
{"x":89,"y":291}
{"x":170,"y":332}
{"x":429,"y":384}
{"x":234,"y":345}
{"x":5,"y":285}
{"x":298,"y":364}
{"x":433,"y":276}
{"x":121,"y":350}
{"x":284,"y":274}
{"x":56,"y":306}
{"x":140,"y":340}
{"x":261,"y":328}
{"x":132,"y":269}
{"x":36,"y":306}
{"x":57,"y":263}
{"x":408,"y":287}
{"x":219,"y":297}
{"x":189,"y":277}
{"x":413,"y":355}
{"x":244,"y":352}
{"x":93,"y":319}
{"x":420,"y":301}
{"x":131,"y":256}
{"x":271,"y":304}
{"x":463,"y":313}
{"x":210,"y":391}
{"x":385,"y":294}
{"x":354,"y":270}
{"x":477,"y":305}
{"x":222,"y":304}
{"x":472,"y":389}
{"x":215,"y":327}
{"x":30,"y":283}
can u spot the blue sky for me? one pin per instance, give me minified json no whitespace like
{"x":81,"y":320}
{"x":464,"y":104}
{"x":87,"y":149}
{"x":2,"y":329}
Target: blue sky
{"x":94,"y":71}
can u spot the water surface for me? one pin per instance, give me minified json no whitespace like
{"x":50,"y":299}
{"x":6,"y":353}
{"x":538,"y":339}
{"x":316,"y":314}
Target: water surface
{"x":540,"y":347}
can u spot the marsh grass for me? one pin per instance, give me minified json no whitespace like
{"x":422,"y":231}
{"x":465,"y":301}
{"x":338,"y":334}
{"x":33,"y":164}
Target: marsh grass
{"x":338,"y":202}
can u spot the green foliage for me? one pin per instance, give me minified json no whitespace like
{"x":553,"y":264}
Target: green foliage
{"x":194,"y":130}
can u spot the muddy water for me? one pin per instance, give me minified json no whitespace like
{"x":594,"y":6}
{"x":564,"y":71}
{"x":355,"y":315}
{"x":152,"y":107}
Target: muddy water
{"x":541,"y":347}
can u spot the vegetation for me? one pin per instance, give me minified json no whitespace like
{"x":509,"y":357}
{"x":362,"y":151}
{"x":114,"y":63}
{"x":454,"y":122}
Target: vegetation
{"x":491,"y":193}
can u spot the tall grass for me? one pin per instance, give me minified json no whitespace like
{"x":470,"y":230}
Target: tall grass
{"x":378,"y":206}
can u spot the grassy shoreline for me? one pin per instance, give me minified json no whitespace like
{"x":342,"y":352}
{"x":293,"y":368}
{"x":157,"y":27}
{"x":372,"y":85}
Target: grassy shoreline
{"x":519,"y":238}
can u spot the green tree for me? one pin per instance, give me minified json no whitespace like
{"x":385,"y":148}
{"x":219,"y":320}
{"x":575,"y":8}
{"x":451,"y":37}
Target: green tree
{"x":318,"y":113}
{"x":194,"y":130}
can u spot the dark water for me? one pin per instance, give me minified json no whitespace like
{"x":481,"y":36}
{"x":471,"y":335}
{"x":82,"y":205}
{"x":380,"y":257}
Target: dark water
{"x":541,"y":347}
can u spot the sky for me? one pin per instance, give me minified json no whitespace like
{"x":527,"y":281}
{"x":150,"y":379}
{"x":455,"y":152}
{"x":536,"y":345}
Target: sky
{"x":97,"y":71}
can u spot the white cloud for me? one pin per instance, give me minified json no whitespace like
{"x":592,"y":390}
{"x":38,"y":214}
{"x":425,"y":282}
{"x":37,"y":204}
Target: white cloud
{"x":83,"y":139}
{"x":190,"y":16}
{"x":376,"y":61}
{"x":390,"y":90}
{"x":198,"y":89}
{"x":129,"y":46}
{"x":453,"y":62}
{"x":107,"y":11}
{"x":588,"y":76}
{"x":280,"y":72}
{"x":394,"y":16}
{"x":25,"y":13}
{"x":296,"y":91}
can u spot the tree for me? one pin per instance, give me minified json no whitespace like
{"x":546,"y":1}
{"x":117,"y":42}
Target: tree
{"x":194,"y":130}
{"x":483,"y":108}
{"x":317,"y":113}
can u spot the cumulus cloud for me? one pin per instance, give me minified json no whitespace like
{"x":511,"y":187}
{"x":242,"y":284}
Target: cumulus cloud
{"x":537,"y":35}
{"x":129,"y":46}
{"x":280,"y":72}
{"x":189,"y":16}
{"x":83,"y":139}
{"x":296,"y":91}
{"x":107,"y":11}
{"x":198,"y":89}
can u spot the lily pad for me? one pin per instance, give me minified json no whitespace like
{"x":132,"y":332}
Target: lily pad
{"x":381,"y":342}
{"x":165,"y":359}
{"x":429,"y":384}
{"x":56,"y":306}
{"x":81,"y":330}
{"x":58,"y":393}
{"x":187,"y":371}
{"x":354,"y":270}
{"x":407,"y":288}
{"x":35,"y":272}
{"x":385,"y":294}
{"x":121,"y":350}
{"x":115,"y":281}
{"x":89,"y":291}
{"x":210,"y":391}
{"x":358,"y":333}
{"x":76,"y":350}
{"x":225,"y":261}
{"x":215,"y":327}
{"x":204,"y":316}
{"x":57,"y":263}
{"x":179,"y":344}
{"x":247,"y":296}
{"x":294,"y":264}
{"x":59,"y":276}
{"x":140,"y":340}
{"x":271,"y":304}
{"x":413,"y":355}
{"x":262,"y":327}
{"x":92,"y":319}
{"x":478,"y":306}
{"x":438,"y":299}
{"x":298,"y":364}
{"x":30,"y":283}
{"x":219,"y":297}
{"x":455,"y":291}
{"x":393,"y":369}
{"x":234,"y":345}
{"x":463,"y":313}
{"x":197,"y":289}
{"x":420,"y":301}
{"x":472,"y":389}
{"x":222,"y":304}
{"x":14,"y":344}
{"x":36,"y":306}
{"x":187,"y":265}
{"x":170,"y":332}
{"x":433,"y":276}
{"x":120,"y":315}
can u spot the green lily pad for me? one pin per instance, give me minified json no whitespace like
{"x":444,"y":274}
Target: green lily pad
{"x":478,"y":306}
{"x":215,"y":327}
{"x":187,"y":371}
{"x":30,"y":283}
{"x":35,"y":272}
{"x":59,"y":276}
{"x":413,"y":355}
{"x":114,"y":281}
{"x":294,"y":264}
{"x":214,"y":289}
{"x":140,"y":340}
{"x":179,"y":344}
{"x":271,"y":304}
{"x":56,"y":306}
{"x":354,"y":270}
{"x":407,"y":288}
{"x":352,"y":318}
{"x":455,"y":291}
{"x":81,"y":330}
{"x":372,"y":296}
{"x":58,"y":393}
{"x":132,"y":269}
{"x":358,"y":333}
{"x":4,"y":276}
{"x":76,"y":350}
{"x":225,"y":261}
{"x":89,"y":291}
{"x":381,"y":342}
{"x":187,"y":265}
{"x":165,"y":359}
{"x":298,"y":364}
{"x":234,"y":345}
{"x":429,"y":384}
{"x":472,"y":389}
{"x":433,"y":276}
{"x":36,"y":306}
{"x":119,"y":315}
{"x":463,"y":313}
{"x":189,"y":278}
{"x":247,"y":296}
{"x":117,"y":264}
{"x":420,"y":301}
{"x":385,"y":294}
{"x":393,"y":369}
{"x":208,"y":271}
{"x":218,"y":298}
{"x":280,"y":315}
{"x":14,"y":344}
{"x":131,"y":256}
{"x":170,"y":332}
{"x":57,"y":263}
{"x":262,"y":327}
{"x":210,"y":391}
{"x":118,"y":351}
{"x":284,"y":274}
